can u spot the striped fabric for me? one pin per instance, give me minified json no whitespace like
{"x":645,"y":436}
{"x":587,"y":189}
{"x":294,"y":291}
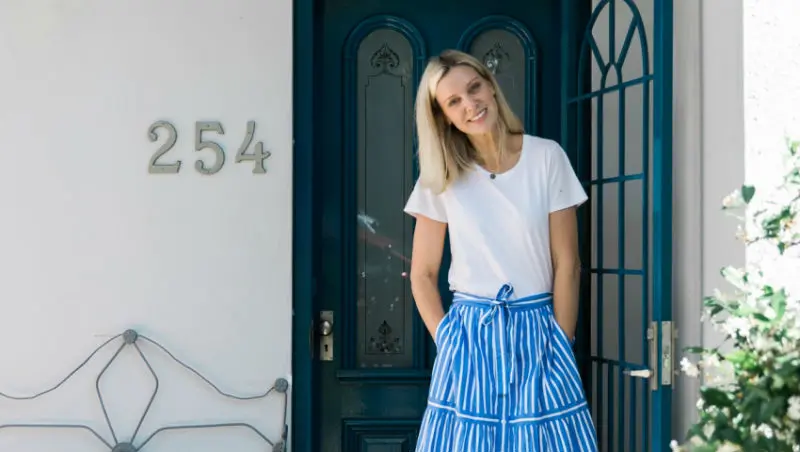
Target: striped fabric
{"x":505,"y":380}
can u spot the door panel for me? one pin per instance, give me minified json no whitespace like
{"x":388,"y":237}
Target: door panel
{"x":373,"y":391}
{"x":615,"y":125}
{"x":383,"y":102}
{"x":508,"y":49}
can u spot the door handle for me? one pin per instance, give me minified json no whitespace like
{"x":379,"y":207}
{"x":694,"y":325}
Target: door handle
{"x":325,"y":331}
{"x":639,"y":373}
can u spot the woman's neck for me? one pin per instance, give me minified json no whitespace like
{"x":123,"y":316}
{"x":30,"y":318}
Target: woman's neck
{"x":491,"y":155}
{"x":488,"y":148}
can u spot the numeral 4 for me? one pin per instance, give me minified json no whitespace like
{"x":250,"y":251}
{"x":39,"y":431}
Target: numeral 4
{"x":259,"y":154}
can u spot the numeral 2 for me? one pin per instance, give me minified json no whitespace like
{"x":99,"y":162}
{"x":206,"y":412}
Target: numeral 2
{"x":172,"y":138}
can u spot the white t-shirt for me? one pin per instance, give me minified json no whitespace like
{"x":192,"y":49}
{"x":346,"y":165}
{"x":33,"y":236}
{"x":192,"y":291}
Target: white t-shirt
{"x":499,"y":228}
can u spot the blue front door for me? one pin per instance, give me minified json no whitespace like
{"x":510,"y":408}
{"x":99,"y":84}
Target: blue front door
{"x":566,"y":68}
{"x":374,"y":382}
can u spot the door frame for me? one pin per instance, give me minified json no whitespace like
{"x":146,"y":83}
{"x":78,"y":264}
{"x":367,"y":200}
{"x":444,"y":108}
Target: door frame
{"x":304,"y":387}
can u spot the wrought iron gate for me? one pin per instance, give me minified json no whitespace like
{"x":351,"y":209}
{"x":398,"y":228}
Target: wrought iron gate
{"x":617,"y":126}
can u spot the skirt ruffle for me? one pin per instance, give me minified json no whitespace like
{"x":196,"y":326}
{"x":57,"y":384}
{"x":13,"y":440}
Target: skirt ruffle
{"x":505,"y":380}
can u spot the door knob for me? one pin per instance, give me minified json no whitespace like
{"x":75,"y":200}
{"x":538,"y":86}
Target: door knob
{"x":325,"y":328}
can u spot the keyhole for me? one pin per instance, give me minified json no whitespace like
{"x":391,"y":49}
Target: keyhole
{"x":326,"y":348}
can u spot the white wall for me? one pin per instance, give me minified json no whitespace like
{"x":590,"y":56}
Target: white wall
{"x":709,"y":164}
{"x":687,"y":196}
{"x":750,"y":58}
{"x":772,"y":99}
{"x":91,"y":244}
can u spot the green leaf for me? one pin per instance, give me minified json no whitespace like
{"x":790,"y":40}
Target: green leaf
{"x":710,"y":302}
{"x":747,"y":192}
{"x":778,"y":302}
{"x":770,"y":408}
{"x":705,"y":448}
{"x":761,"y":317}
{"x":716,"y":397}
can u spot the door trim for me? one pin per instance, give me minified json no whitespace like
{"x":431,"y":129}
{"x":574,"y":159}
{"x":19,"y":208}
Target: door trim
{"x":302,"y":425}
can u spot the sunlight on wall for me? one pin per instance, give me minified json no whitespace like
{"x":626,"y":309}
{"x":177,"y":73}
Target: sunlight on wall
{"x":772,"y":109}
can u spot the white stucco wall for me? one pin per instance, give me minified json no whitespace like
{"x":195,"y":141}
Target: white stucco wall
{"x":750,"y":93}
{"x":687,"y":195}
{"x":771,"y":110}
{"x":708,"y":164}
{"x":91,"y":244}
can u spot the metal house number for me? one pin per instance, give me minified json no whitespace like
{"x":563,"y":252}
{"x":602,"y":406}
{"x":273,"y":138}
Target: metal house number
{"x":202,"y":144}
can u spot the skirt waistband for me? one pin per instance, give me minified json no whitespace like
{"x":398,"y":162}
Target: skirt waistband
{"x":501,"y":300}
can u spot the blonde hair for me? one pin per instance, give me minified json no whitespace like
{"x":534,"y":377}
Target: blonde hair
{"x":444,"y":151}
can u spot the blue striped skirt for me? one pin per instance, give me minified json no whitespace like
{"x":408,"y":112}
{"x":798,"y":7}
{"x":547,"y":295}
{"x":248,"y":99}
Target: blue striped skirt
{"x":505,"y":380}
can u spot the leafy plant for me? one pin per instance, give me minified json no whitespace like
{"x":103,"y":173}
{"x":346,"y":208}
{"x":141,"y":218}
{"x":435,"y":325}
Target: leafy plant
{"x":750,"y":396}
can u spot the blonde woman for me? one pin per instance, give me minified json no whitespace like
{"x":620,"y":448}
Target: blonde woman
{"x":505,"y":378}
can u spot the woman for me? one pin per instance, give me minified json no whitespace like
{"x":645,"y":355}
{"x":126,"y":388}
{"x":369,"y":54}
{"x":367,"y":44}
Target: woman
{"x":504,"y":378}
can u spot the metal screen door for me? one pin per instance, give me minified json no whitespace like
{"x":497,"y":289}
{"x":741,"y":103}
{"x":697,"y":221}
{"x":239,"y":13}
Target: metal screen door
{"x":616,"y":124}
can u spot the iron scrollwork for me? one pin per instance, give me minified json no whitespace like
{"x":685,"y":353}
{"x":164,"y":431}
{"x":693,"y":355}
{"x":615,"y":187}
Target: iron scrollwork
{"x":131,"y":338}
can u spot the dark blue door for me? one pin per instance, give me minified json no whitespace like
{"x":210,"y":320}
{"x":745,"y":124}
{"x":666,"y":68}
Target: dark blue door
{"x":372,"y":355}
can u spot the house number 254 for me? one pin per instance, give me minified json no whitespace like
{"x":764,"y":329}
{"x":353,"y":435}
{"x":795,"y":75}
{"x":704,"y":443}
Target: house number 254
{"x":203,"y":144}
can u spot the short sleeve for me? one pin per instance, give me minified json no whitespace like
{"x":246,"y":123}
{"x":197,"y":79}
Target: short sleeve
{"x":426,"y":203}
{"x":565,"y":188}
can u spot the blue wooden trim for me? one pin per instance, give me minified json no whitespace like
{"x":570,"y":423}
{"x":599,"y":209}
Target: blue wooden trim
{"x":349,"y":209}
{"x":567,"y":76}
{"x":662,"y":205}
{"x":384,"y":376}
{"x":379,"y":427}
{"x":573,"y":14}
{"x":304,"y":385}
{"x":518,"y":29}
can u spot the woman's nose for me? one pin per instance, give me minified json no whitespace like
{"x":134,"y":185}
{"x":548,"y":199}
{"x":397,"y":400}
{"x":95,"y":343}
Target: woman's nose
{"x":471,"y":105}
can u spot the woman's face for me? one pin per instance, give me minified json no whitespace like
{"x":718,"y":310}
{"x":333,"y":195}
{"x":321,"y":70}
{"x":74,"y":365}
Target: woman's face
{"x":467,"y":101}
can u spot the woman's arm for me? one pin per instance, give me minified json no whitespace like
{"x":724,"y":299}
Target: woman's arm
{"x":426,"y":258}
{"x":566,"y":268}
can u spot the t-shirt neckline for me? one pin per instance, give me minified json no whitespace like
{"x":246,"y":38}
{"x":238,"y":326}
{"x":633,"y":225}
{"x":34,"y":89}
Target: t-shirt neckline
{"x":511,"y":170}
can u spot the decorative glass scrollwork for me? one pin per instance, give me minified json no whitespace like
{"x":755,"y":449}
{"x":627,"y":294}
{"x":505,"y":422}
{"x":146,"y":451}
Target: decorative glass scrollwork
{"x":385,"y":58}
{"x":494,"y":57}
{"x":386,"y":342}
